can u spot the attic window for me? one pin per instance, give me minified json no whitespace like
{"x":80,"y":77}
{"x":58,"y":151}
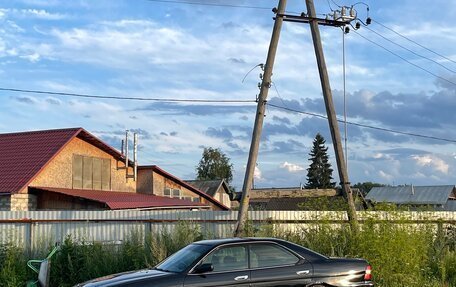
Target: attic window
{"x":91,"y":172}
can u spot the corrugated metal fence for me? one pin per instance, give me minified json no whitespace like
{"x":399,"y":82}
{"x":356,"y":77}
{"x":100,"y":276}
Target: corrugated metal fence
{"x":31,"y":229}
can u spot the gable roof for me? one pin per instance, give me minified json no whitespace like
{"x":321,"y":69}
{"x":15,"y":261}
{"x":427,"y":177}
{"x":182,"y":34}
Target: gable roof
{"x":125,"y":200}
{"x":209,"y":186}
{"x":434,"y":195}
{"x":184,"y":184}
{"x":24,"y":154}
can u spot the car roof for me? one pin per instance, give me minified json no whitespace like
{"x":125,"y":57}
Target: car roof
{"x":215,"y":242}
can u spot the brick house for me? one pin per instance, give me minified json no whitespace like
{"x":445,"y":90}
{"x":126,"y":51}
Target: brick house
{"x":217,"y":188}
{"x":72,"y":169}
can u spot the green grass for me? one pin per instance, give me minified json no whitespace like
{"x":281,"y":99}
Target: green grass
{"x":401,"y":254}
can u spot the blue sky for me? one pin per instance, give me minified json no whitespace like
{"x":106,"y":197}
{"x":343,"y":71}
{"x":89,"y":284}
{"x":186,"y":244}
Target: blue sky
{"x":140,"y":48}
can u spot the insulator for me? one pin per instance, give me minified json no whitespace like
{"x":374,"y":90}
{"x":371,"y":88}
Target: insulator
{"x":347,"y":30}
{"x":343,"y":11}
{"x":352,"y":12}
{"x":336,"y":15}
{"x":358,"y":25}
{"x":261,"y":76}
{"x":368,"y":21}
{"x":274,"y":10}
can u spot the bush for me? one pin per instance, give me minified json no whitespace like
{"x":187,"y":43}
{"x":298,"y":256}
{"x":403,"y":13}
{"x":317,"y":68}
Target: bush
{"x":401,"y":254}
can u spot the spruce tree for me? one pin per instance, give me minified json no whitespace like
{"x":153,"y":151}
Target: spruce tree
{"x":319,"y":174}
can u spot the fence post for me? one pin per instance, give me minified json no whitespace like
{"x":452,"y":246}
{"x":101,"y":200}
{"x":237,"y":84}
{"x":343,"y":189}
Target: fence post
{"x":28,"y":238}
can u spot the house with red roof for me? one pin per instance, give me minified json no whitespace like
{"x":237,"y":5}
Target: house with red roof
{"x":71,"y":169}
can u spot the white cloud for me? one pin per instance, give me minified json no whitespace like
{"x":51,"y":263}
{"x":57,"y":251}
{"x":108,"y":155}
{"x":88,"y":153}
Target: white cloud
{"x":291,"y":167}
{"x":433,"y":161}
{"x":43,"y":14}
{"x":257,"y":173}
{"x":35,"y":57}
{"x":385,"y":175}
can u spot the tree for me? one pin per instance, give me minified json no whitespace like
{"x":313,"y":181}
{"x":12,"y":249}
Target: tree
{"x":214,"y":164}
{"x":319,"y":174}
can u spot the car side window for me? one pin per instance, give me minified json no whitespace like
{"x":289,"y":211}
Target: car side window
{"x":228,"y":258}
{"x":269,"y":255}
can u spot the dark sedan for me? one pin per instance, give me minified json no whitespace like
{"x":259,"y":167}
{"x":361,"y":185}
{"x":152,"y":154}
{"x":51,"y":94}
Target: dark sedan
{"x":245,"y":262}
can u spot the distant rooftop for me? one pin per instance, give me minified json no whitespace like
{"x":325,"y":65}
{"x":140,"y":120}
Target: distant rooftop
{"x":432,"y":195}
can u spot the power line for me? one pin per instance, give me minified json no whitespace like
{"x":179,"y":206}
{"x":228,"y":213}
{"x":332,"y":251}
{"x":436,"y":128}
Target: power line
{"x":123,"y":98}
{"x":414,"y":42}
{"x":363,"y":125}
{"x":210,"y":4}
{"x":411,"y":51}
{"x":404,"y":59}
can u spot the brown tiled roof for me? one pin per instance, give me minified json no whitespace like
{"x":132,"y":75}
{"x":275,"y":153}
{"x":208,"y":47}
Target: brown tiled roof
{"x":125,"y":200}
{"x":23,"y":155}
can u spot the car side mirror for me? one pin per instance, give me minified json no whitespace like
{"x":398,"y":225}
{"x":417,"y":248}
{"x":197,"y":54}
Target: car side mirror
{"x":203,"y":268}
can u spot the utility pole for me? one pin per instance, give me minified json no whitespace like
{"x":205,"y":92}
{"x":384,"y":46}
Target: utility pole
{"x":332,"y":119}
{"x":259,"y":117}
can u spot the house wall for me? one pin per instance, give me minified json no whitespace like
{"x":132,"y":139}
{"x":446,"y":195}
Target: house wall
{"x":58,"y":173}
{"x":23,"y":202}
{"x":159,"y":183}
{"x":223,"y":197}
{"x":55,"y":201}
{"x":5,"y":202}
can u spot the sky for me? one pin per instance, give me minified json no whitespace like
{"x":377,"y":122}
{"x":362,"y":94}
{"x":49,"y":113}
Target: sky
{"x":154,"y":49}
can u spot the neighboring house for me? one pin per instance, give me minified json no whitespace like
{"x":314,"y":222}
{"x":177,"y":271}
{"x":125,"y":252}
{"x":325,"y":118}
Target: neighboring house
{"x":218,"y":189}
{"x":72,"y":169}
{"x":153,"y":179}
{"x":285,"y":198}
{"x":441,"y":197}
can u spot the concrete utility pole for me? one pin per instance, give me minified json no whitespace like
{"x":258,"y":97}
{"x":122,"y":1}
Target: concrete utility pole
{"x":332,"y":119}
{"x":260,"y":114}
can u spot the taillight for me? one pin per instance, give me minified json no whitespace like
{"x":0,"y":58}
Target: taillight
{"x":368,"y":274}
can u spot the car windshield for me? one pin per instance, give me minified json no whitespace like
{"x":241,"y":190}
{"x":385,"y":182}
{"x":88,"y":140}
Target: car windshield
{"x":184,"y":258}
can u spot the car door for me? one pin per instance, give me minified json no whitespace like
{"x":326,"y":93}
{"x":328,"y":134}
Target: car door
{"x":274,"y":265}
{"x":230,"y":268}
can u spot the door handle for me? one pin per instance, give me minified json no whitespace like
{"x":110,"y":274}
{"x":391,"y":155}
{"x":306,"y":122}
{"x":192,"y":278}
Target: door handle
{"x":240,"y":278}
{"x":303,"y":272}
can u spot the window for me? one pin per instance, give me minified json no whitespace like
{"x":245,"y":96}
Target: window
{"x":91,"y":172}
{"x":268,"y":255}
{"x":196,"y":199}
{"x":228,"y":258}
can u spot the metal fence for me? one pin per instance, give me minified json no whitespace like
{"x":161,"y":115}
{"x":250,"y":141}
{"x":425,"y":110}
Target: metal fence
{"x":33,"y":229}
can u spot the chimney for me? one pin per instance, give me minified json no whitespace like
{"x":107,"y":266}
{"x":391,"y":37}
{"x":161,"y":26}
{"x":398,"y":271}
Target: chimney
{"x":413,"y":189}
{"x":135,"y":156}
{"x":126,"y":154}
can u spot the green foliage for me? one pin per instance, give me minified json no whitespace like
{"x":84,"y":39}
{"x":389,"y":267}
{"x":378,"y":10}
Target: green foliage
{"x":319,"y":174}
{"x":332,"y":203}
{"x":401,"y":254}
{"x":13,"y":270}
{"x":214,"y":164}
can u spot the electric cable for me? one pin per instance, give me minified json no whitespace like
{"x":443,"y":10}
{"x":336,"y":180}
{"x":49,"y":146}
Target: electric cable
{"x":404,"y":59}
{"x":364,"y":125}
{"x":411,"y":51}
{"x":122,"y":98}
{"x":210,"y":4}
{"x":414,"y":42}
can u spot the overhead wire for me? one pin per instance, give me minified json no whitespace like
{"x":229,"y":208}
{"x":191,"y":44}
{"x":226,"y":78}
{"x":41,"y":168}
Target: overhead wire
{"x":414,"y":42}
{"x":364,"y":125}
{"x":210,"y":4}
{"x":404,"y":59}
{"x":409,"y":50}
{"x":122,"y":98}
